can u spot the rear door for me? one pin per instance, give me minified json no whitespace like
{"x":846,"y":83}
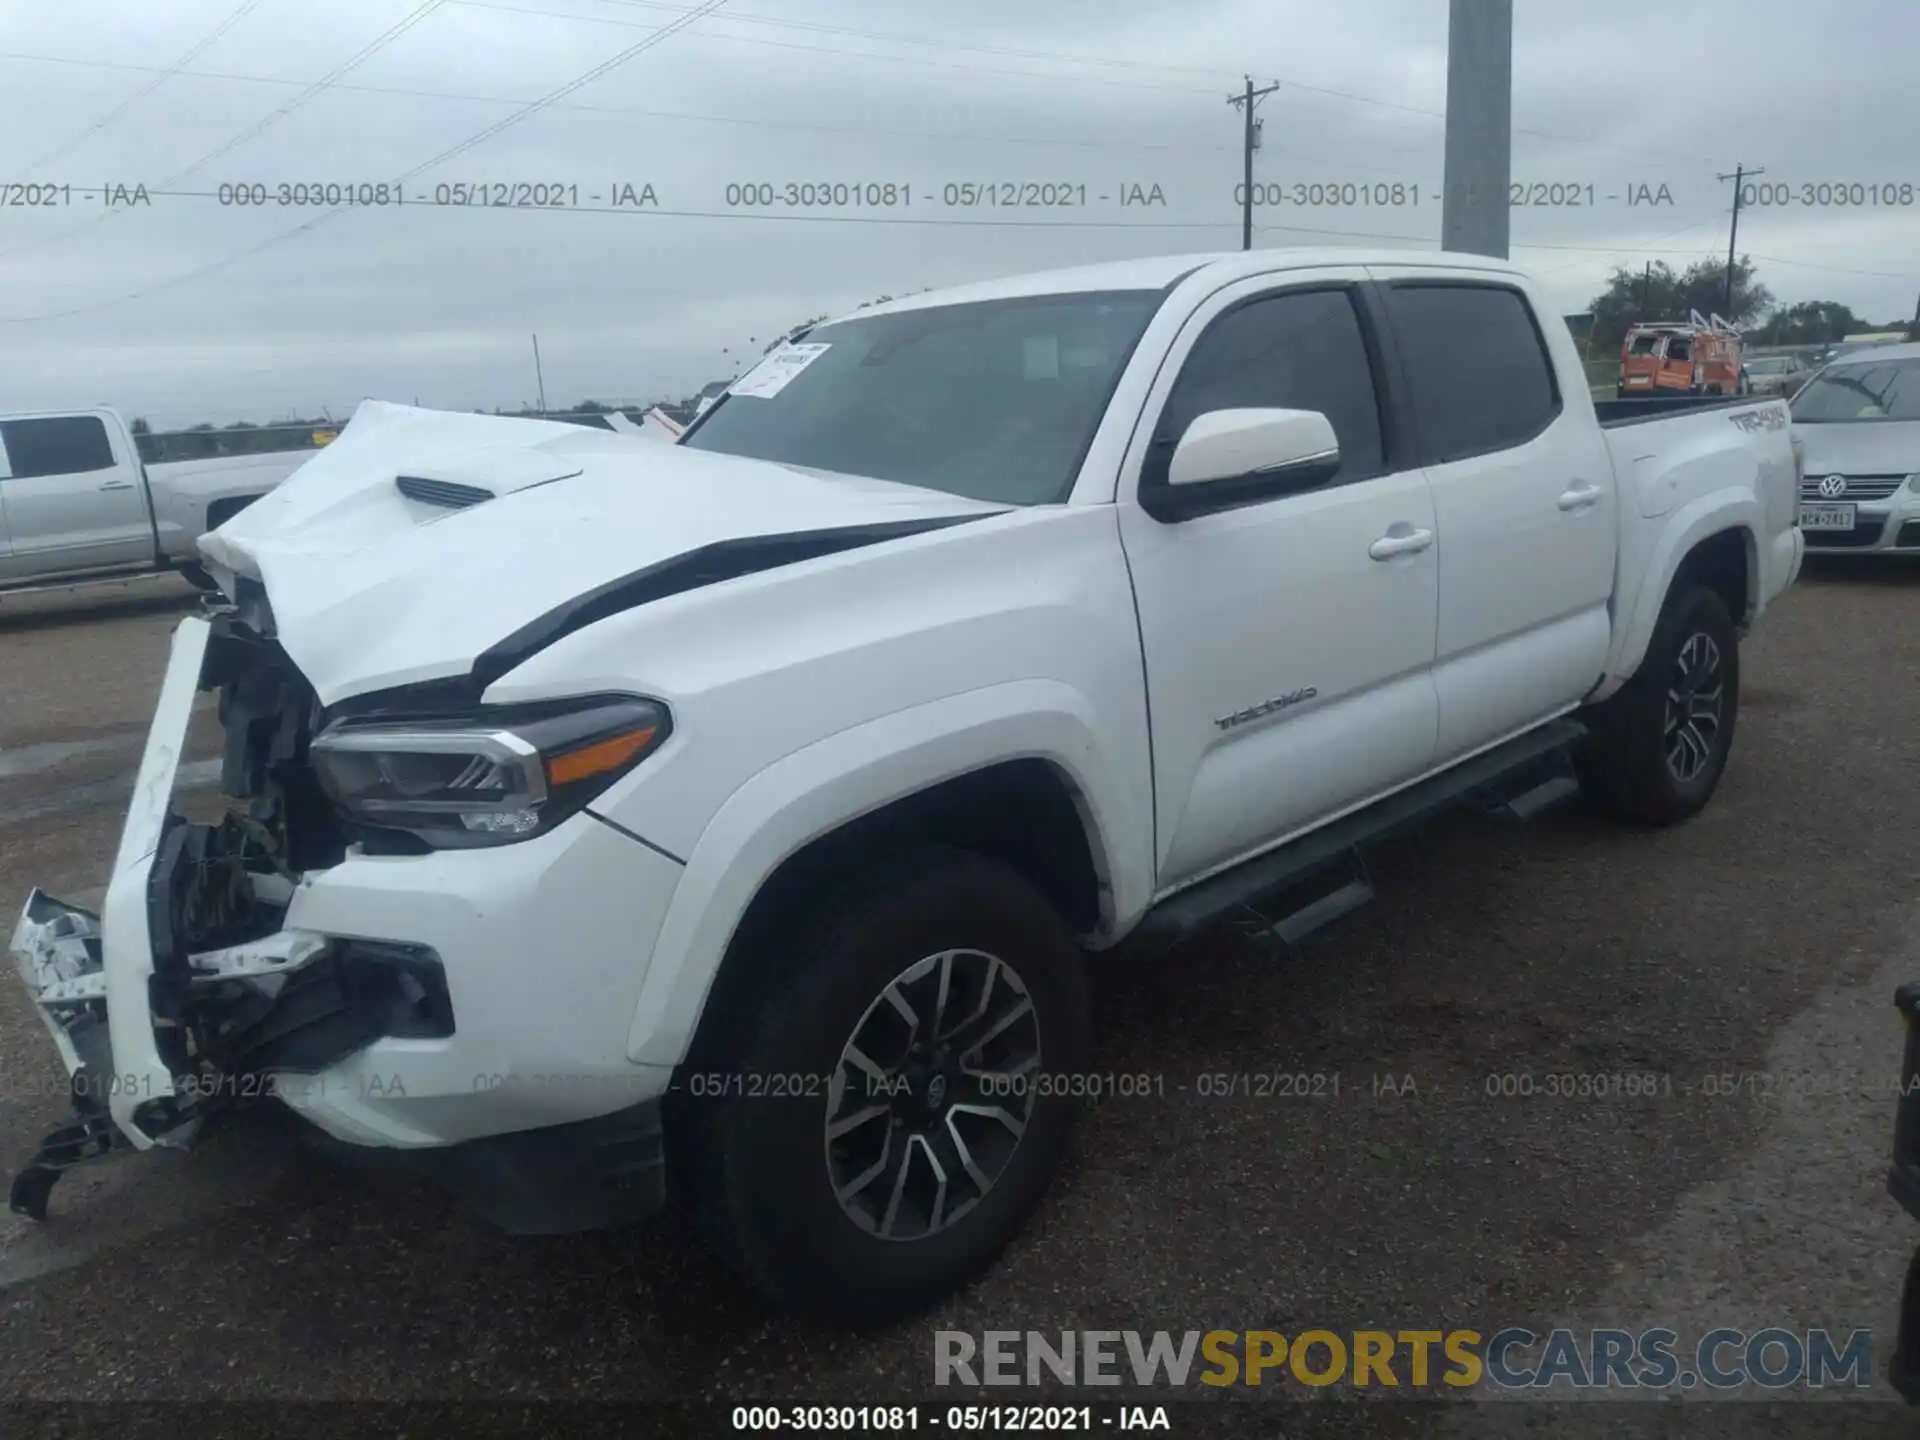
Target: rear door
{"x":73,"y":496}
{"x":1287,"y":641}
{"x":1524,"y":504}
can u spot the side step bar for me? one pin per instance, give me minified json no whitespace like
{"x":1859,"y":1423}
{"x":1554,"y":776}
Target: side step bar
{"x":1242,"y":890}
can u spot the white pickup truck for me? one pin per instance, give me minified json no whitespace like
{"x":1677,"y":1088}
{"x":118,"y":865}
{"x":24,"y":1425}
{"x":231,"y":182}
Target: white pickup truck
{"x":738,"y":822}
{"x":77,"y":504}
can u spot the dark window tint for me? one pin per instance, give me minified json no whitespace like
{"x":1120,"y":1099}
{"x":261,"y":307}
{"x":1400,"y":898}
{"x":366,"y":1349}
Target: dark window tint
{"x":1293,"y":352}
{"x":70,"y":445}
{"x":1478,"y":377}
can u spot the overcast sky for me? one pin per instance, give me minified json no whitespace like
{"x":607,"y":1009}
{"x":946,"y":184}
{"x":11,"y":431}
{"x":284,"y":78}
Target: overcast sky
{"x":184,"y":308}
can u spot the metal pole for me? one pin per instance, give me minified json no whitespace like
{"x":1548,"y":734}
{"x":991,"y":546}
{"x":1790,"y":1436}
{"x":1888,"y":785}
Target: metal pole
{"x":1474,"y":210}
{"x":1246,"y":193}
{"x":1249,"y":132}
{"x":1739,"y":177}
{"x":539,"y":379}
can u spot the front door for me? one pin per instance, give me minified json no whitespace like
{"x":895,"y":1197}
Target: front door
{"x":1288,"y":642}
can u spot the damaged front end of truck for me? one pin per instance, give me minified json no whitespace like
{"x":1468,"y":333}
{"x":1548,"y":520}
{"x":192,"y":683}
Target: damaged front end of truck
{"x":208,"y":1000}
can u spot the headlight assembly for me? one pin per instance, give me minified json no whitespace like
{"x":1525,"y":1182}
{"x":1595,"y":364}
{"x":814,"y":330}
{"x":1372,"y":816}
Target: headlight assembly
{"x":488,"y":778}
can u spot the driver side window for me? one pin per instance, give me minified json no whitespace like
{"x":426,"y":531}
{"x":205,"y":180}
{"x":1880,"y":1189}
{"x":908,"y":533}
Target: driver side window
{"x":1302,"y":350}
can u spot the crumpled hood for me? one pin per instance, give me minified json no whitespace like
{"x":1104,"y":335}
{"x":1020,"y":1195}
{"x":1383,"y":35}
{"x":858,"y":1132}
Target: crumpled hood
{"x":372,"y":588}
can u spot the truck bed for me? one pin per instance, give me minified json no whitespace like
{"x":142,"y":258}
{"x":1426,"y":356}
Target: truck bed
{"x":1638,"y":409}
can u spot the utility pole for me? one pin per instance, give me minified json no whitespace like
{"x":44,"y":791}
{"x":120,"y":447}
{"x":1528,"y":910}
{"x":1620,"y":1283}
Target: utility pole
{"x":1474,"y":209}
{"x":539,"y":379}
{"x":1646,"y":288}
{"x":1739,"y":177}
{"x":1250,"y":141}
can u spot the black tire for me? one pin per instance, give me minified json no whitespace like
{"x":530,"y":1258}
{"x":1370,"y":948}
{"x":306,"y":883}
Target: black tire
{"x":197,"y":576}
{"x":757,"y":1165}
{"x":1625,"y":767}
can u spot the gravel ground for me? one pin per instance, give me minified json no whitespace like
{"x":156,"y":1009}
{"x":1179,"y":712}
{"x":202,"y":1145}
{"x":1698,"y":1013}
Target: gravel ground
{"x":1762,"y":939}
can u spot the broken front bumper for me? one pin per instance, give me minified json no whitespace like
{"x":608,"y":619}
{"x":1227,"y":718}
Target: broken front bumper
{"x":335,"y":991}
{"x":76,"y":964}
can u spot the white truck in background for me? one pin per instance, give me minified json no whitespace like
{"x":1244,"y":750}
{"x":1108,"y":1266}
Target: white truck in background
{"x":736,"y":819}
{"x":78,"y":505}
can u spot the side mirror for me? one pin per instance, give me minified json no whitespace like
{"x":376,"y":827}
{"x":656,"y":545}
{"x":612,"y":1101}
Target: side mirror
{"x":1291,"y":445}
{"x":1240,"y":457}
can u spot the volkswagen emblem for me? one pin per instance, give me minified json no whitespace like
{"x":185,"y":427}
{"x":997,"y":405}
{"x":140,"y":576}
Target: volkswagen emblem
{"x":1833,"y":487}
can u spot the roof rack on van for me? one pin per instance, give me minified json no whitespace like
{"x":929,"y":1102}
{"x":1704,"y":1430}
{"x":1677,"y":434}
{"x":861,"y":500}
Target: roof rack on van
{"x":1694,"y":321}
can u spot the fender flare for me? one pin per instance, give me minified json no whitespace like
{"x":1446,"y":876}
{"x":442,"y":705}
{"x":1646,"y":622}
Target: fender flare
{"x":815,"y":790}
{"x":1710,"y":514}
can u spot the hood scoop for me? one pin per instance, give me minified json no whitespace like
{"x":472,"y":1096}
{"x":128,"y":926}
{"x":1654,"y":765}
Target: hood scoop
{"x":449,"y":494}
{"x":463,"y":481}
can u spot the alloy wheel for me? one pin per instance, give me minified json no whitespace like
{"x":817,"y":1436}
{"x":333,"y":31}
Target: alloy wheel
{"x":1696,"y":699}
{"x":930,"y":1097}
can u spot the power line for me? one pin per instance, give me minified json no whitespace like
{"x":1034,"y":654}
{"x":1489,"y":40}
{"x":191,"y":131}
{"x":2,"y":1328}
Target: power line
{"x":358,"y":58}
{"x":160,"y":78}
{"x":1638,"y":248}
{"x":525,"y":111}
{"x":1286,"y":85}
{"x":664,"y":32}
{"x":834,"y":50}
{"x":1837,"y":269}
{"x":1212,"y":72}
{"x":1063,"y":56}
{"x":1418,"y":241}
{"x":782,"y":124}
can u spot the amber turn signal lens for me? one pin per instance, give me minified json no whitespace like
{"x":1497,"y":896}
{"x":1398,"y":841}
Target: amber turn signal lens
{"x":598,"y":758}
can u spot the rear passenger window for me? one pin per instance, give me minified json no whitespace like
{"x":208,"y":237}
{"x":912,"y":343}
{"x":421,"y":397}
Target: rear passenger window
{"x":67,"y":445}
{"x":1299,"y":351}
{"x":1478,"y":376}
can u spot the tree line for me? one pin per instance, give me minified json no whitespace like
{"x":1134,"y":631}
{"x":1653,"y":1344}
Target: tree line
{"x":1656,"y":291}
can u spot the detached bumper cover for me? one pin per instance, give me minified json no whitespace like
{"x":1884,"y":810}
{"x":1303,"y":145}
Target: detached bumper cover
{"x":70,"y":959}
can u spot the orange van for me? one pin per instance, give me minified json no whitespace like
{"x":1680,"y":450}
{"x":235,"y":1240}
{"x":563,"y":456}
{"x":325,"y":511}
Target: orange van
{"x":1692,"y":357}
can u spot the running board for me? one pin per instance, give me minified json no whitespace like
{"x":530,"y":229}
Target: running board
{"x":1309,"y":918}
{"x":1242,"y":889}
{"x":1547,"y":795}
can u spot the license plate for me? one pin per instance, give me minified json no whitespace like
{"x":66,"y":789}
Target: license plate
{"x":1826,"y":517}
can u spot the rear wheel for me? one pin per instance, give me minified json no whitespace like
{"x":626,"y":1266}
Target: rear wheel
{"x":1658,"y":746}
{"x":877,"y":1136}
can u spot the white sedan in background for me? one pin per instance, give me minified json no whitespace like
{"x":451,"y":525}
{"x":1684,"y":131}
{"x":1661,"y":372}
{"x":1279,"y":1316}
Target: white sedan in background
{"x":1858,"y":425}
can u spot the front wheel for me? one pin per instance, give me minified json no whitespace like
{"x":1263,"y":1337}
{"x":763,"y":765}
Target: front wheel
{"x":883,"y":1121}
{"x":196,"y":575}
{"x":1657,"y":747}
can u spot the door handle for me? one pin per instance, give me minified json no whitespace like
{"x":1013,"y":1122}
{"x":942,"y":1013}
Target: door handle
{"x":1580,"y":496}
{"x":1407,"y":542}
{"x":118,"y":485}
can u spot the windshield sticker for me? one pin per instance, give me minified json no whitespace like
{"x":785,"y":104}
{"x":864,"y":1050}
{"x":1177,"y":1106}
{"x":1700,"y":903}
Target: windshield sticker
{"x":777,"y":371}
